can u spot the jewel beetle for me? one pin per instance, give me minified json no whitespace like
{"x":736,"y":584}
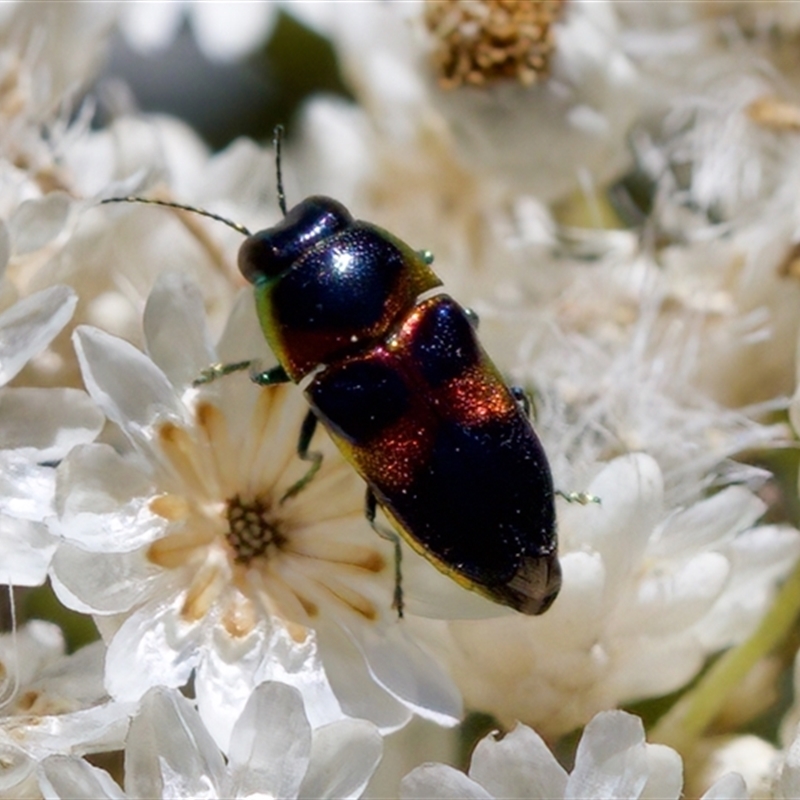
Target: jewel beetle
{"x":393,"y":369}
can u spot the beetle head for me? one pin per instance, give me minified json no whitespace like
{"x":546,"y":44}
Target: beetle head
{"x":269,"y":253}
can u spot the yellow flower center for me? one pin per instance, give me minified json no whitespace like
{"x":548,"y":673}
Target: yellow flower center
{"x":252,"y":528}
{"x":240,"y":548}
{"x":481,"y":41}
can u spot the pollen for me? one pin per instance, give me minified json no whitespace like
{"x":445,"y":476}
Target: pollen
{"x":775,"y":114}
{"x":790,"y":266}
{"x":252,"y":528}
{"x":170,"y":507}
{"x":27,"y":701}
{"x":203,"y":592}
{"x":485,"y":41}
{"x":240,"y":618}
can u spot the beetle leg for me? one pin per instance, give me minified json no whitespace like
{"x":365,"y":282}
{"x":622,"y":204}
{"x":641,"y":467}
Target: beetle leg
{"x":266,"y":377}
{"x":521,"y":396}
{"x":370,"y":509}
{"x":584,"y":498}
{"x":306,"y":435}
{"x":214,"y":371}
{"x":269,"y":377}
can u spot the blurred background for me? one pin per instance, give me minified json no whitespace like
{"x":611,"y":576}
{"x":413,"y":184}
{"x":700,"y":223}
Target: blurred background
{"x":233,"y":94}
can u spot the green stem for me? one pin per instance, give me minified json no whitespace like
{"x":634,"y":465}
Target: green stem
{"x":688,"y":719}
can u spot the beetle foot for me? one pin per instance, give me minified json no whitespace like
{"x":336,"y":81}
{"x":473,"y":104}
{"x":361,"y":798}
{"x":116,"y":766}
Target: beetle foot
{"x":584,"y":498}
{"x":214,"y":371}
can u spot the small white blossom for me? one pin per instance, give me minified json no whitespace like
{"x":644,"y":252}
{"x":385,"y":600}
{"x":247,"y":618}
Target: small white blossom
{"x":756,"y":760}
{"x":36,"y":426}
{"x":51,"y":703}
{"x":508,"y":85}
{"x":649,"y":592}
{"x":612,"y":761}
{"x":274,"y":753}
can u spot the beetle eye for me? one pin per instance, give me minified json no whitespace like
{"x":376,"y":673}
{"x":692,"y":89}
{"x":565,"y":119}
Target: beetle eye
{"x":270,"y":252}
{"x":257,"y":260}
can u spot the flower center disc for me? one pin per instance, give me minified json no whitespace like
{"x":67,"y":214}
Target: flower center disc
{"x":491,"y":40}
{"x":251,"y":528}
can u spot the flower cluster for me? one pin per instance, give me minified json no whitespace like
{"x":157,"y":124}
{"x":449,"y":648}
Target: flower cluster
{"x":611,"y":187}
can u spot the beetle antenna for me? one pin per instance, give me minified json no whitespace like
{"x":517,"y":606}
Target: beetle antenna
{"x":181,"y":207}
{"x":277,"y":141}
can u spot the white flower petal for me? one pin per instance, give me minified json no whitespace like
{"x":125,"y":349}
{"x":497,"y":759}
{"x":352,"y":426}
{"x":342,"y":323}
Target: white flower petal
{"x":343,"y":757}
{"x":175,"y":329}
{"x":233,"y":666}
{"x":651,"y":667}
{"x":153,"y":646}
{"x":733,"y":787}
{"x":100,"y":582}
{"x":789,"y":780}
{"x":670,"y":602}
{"x":169,"y":753}
{"x":16,"y":775}
{"x":519,"y":765}
{"x":26,"y":549}
{"x":581,"y":605}
{"x":610,"y":762}
{"x":97,"y":729}
{"x":30,"y":325}
{"x":37,"y":222}
{"x":225,"y":679}
{"x":270,"y":744}
{"x":47,"y":423}
{"x":665,"y":773}
{"x":440,"y":782}
{"x":65,"y":777}
{"x":103,"y":501}
{"x":26,"y":489}
{"x":27,"y":652}
{"x":630,"y":489}
{"x":5,"y":247}
{"x":78,"y":677}
{"x":359,"y":695}
{"x":126,"y":384}
{"x":242,"y":331}
{"x":236,"y":180}
{"x":409,"y":673}
{"x":299,"y":665}
{"x":708,"y":522}
{"x":760,"y":558}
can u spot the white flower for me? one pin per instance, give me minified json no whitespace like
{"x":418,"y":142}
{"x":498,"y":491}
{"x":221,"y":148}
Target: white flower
{"x":273,"y":753}
{"x":36,"y":426}
{"x":756,"y":16}
{"x":115,"y":252}
{"x":539,"y":95}
{"x":30,"y":325}
{"x":152,"y":542}
{"x":612,"y":761}
{"x":49,"y":54}
{"x":723,"y":165}
{"x":51,"y":703}
{"x":649,"y":592}
{"x":788,"y":783}
{"x":58,"y":47}
{"x":756,"y":760}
